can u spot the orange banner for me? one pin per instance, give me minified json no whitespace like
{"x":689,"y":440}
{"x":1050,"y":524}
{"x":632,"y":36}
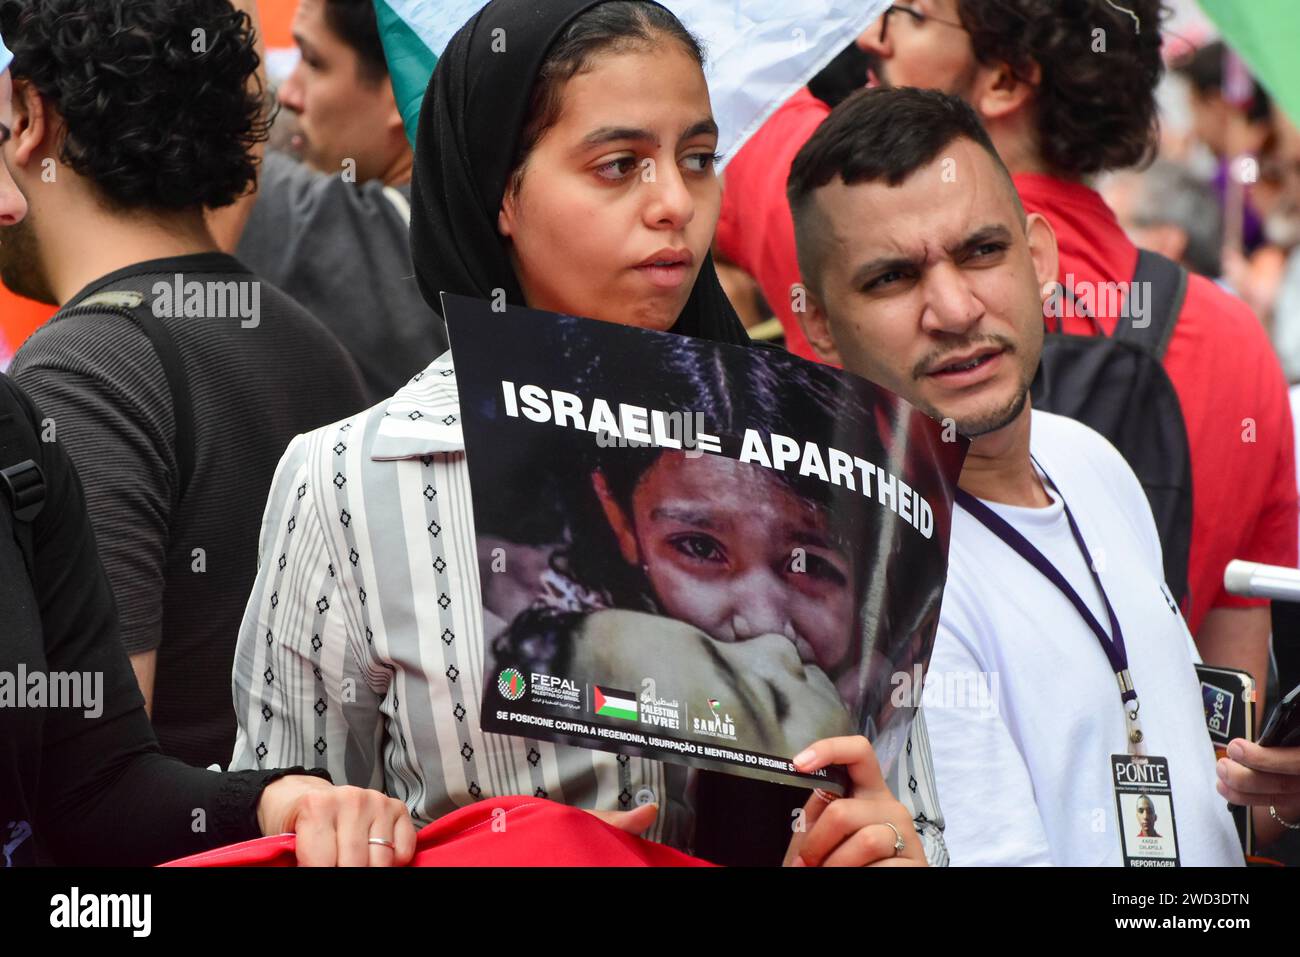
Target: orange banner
{"x":277,"y":19}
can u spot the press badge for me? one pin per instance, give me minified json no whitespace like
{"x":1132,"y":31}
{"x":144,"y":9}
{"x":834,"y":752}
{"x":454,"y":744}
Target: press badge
{"x":1144,"y":801}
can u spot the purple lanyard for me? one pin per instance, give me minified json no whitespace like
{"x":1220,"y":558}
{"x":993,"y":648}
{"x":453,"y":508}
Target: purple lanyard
{"x":1113,"y":647}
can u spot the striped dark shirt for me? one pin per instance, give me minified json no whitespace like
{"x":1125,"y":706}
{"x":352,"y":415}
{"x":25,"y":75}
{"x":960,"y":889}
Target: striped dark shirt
{"x":181,"y":570}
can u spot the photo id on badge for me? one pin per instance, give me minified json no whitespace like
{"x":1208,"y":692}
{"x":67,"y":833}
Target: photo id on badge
{"x":1144,"y":801}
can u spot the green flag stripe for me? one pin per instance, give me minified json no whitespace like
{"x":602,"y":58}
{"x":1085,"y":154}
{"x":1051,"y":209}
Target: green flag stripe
{"x":1266,"y":34}
{"x":613,"y":711}
{"x":410,"y":64}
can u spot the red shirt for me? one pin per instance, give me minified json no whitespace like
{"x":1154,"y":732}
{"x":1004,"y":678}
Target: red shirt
{"x":1228,"y":380}
{"x":1230,"y":386}
{"x":755,"y":230}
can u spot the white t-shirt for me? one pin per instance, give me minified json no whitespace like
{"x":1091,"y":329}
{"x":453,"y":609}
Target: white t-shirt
{"x":1023,"y":773}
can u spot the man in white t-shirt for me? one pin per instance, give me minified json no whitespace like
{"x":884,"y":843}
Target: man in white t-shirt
{"x":924,"y":274}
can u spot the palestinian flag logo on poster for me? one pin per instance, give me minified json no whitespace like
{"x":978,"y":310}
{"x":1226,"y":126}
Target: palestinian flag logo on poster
{"x":614,"y":704}
{"x":511,"y":684}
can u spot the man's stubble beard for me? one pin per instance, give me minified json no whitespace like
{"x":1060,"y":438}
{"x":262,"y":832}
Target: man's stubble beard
{"x":20,"y":263}
{"x":974,"y":428}
{"x":999,"y":419}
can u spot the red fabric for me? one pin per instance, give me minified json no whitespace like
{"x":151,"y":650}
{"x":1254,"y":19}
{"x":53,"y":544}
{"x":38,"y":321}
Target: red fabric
{"x":19,"y":318}
{"x":755,"y":230}
{"x":1227,"y":378}
{"x":502,"y":832}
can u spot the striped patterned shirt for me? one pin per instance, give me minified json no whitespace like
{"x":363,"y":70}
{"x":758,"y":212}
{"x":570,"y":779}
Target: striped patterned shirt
{"x":362,"y":650}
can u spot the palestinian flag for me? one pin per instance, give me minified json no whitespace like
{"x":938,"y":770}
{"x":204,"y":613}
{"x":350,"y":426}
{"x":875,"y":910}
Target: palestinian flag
{"x":614,"y":704}
{"x":759,"y":52}
{"x":415,"y":32}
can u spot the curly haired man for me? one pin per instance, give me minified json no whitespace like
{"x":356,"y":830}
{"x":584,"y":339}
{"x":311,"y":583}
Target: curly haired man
{"x":172,"y":375}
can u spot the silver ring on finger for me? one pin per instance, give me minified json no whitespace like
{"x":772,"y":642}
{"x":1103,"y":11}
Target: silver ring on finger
{"x":899,"y":846}
{"x":825,"y":795}
{"x":382,"y":842}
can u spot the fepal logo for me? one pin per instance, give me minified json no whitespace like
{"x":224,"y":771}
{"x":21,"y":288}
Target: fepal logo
{"x":511,"y":684}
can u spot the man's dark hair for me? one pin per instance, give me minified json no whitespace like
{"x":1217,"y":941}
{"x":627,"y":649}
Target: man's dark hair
{"x":1095,"y":110}
{"x":155,"y":96}
{"x":883,"y":134}
{"x":1203,"y":69}
{"x":354,"y":22}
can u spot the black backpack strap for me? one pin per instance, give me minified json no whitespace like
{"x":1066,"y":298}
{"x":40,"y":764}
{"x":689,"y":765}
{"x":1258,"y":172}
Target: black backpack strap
{"x":178,"y":382}
{"x":1167,"y":285}
{"x":22,"y":483}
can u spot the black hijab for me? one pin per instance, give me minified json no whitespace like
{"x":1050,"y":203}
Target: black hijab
{"x":470,"y":123}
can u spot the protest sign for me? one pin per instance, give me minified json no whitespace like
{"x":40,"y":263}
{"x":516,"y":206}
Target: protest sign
{"x":695,"y":552}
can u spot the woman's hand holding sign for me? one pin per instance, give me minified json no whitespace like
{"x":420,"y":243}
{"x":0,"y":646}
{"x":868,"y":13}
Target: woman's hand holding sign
{"x":860,"y":830}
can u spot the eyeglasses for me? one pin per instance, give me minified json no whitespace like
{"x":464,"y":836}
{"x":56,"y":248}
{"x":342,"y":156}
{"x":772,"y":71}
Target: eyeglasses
{"x":917,"y":16}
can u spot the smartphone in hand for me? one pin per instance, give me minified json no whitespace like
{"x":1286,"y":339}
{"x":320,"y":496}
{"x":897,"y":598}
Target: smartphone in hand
{"x":1282,"y":730}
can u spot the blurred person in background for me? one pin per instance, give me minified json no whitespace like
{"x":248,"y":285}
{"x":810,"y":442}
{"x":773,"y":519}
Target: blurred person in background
{"x":328,"y":224}
{"x":1277,"y":287}
{"x":1168,"y":209}
{"x":1226,"y":128}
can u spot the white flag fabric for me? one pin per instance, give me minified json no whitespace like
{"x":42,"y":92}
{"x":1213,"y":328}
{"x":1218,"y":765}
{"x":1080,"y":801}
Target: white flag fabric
{"x":759,"y":51}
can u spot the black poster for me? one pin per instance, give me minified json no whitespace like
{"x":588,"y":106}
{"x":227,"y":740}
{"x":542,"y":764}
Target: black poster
{"x":698,"y":553}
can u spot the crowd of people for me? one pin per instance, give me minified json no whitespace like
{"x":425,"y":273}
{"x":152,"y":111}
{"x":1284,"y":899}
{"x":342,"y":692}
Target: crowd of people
{"x":233,"y":460}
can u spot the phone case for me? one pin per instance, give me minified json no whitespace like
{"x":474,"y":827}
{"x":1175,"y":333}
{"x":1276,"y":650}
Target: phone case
{"x":1229,"y":698}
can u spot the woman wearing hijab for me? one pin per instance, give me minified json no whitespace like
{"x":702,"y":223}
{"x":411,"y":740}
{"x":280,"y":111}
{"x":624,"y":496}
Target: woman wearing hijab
{"x":564,"y":161}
